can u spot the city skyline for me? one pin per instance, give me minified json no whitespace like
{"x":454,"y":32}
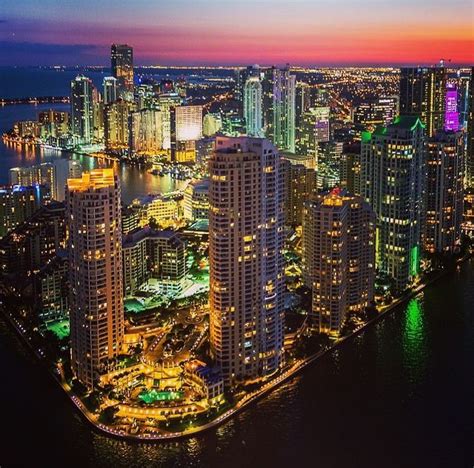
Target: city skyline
{"x":208,"y":32}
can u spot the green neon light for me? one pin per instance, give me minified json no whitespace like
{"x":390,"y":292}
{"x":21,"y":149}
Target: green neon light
{"x":366,"y":137}
{"x":415,"y":261}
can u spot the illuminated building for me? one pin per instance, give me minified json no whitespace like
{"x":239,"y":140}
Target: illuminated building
{"x":39,"y":174}
{"x":110,"y":89}
{"x":54,"y":123}
{"x":321,"y":116}
{"x":149,"y":253}
{"x":253,"y":107}
{"x":302,"y":101}
{"x":122,"y":69}
{"x":470,"y":136}
{"x":186,"y":129}
{"x":444,"y":191}
{"x":393,"y":161}
{"x":162,"y":209}
{"x":300,"y":184}
{"x":196,"y":200}
{"x":146,"y":131}
{"x":27,"y":128}
{"x":381,"y":111}
{"x":468,"y":218}
{"x":117,"y":124}
{"x":451,"y":116}
{"x":82,"y":109}
{"x":233,"y":125}
{"x":18,"y":203}
{"x":422,"y":94}
{"x":246,"y":215}
{"x":34,"y":242}
{"x":350,"y":169}
{"x":279,"y":93}
{"x":166,"y":103}
{"x":95,"y":273}
{"x":211,"y":124}
{"x":130,"y":219}
{"x":338,"y":257}
{"x":328,"y":165}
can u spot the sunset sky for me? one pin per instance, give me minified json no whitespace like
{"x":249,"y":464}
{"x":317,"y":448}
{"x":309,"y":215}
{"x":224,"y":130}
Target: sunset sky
{"x":301,"y":32}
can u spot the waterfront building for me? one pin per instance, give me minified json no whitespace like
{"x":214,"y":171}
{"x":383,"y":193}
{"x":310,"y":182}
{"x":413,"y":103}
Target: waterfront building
{"x":122,"y":69}
{"x":117,"y":124}
{"x":300,"y":185}
{"x":211,"y":124}
{"x":166,"y":103}
{"x":338,"y":257}
{"x":27,"y":129}
{"x":95,"y":273}
{"x":18,"y":203}
{"x":444,"y":191}
{"x":206,"y":380}
{"x":246,"y":216}
{"x":54,"y":123}
{"x":39,"y":174}
{"x":186,"y":130}
{"x":110,"y":85}
{"x":82,"y":109}
{"x":196,"y":200}
{"x":146,"y":131}
{"x":422,"y":94}
{"x":393,"y":165}
{"x":253,"y":107}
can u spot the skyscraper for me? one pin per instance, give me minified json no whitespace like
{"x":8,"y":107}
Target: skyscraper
{"x":186,"y":129}
{"x":110,"y":89}
{"x":279,"y":93}
{"x":422,"y":94}
{"x":95,"y":274}
{"x":246,"y":203}
{"x":146,"y":131}
{"x":444,"y":191}
{"x":338,"y":257}
{"x":122,"y":69}
{"x":117,"y":124}
{"x":82,"y":108}
{"x":253,"y":107}
{"x":470,"y":136}
{"x":393,"y":165}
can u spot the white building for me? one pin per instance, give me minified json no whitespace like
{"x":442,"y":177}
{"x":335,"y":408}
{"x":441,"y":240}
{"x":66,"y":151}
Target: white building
{"x":253,"y":107}
{"x":246,"y":203}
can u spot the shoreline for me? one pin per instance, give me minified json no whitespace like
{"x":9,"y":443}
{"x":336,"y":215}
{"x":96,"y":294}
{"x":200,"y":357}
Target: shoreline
{"x":297,"y":368}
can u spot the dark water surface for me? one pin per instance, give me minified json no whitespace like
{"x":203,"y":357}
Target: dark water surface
{"x":399,"y":395}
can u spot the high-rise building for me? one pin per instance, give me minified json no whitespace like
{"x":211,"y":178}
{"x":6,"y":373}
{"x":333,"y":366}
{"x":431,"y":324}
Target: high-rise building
{"x":444,"y":191}
{"x":381,"y":111}
{"x":146,"y":131}
{"x":422,"y":94}
{"x":95,"y":273}
{"x":350,"y":168}
{"x":117,"y":124}
{"x":196,"y":200}
{"x":393,"y":165}
{"x":470,"y":136}
{"x":122,"y":68}
{"x":54,"y":123}
{"x":279,"y":93}
{"x":18,"y":203}
{"x":253,"y":107}
{"x":110,"y":85}
{"x":186,"y":129}
{"x":338,"y":257}
{"x":211,"y":124}
{"x":246,"y":209}
{"x":82,"y":109}
{"x":451,"y":115}
{"x":300,"y":185}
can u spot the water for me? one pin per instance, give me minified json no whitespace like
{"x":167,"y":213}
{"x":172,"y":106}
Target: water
{"x":400,"y":395}
{"x":136,"y":181}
